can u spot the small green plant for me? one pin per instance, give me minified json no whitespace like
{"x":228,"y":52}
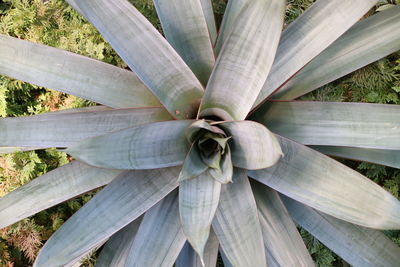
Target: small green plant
{"x":201,"y":145}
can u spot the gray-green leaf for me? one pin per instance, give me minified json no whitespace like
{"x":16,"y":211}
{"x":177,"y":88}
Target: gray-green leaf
{"x":146,"y":52}
{"x":136,"y":148}
{"x":329,"y":186}
{"x":198,"y":201}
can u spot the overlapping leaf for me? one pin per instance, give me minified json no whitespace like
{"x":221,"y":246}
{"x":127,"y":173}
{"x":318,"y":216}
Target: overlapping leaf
{"x":335,"y":124}
{"x":73,"y":74}
{"x":198,"y":201}
{"x":389,"y":158}
{"x":326,"y":185}
{"x":63,"y":129}
{"x":145,"y":51}
{"x":252,"y":145}
{"x":244,"y":61}
{"x":186,"y":29}
{"x":121,"y":202}
{"x":210,"y":19}
{"x":50,"y":189}
{"x":117,"y":248}
{"x":188,"y":257}
{"x":155,"y":145}
{"x":282,"y":241}
{"x":310,"y":34}
{"x":357,"y":245}
{"x":236,"y":223}
{"x":367,"y":41}
{"x":160,"y":237}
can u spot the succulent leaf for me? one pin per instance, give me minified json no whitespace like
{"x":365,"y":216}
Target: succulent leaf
{"x":237,"y":225}
{"x":67,"y":128}
{"x":193,"y":165}
{"x":116,"y":250}
{"x":146,"y":52}
{"x":198,"y":201}
{"x":73,"y":74}
{"x":224,"y":172}
{"x":375,"y":126}
{"x":282,"y":241}
{"x":185,"y":27}
{"x":310,"y":34}
{"x":188,"y":257}
{"x":244,"y":61}
{"x":136,"y":148}
{"x":160,"y":237}
{"x":207,"y":7}
{"x":328,"y":186}
{"x":389,"y":158}
{"x":252,"y":145}
{"x":367,"y":41}
{"x":50,"y":189}
{"x":118,"y":204}
{"x":357,"y":245}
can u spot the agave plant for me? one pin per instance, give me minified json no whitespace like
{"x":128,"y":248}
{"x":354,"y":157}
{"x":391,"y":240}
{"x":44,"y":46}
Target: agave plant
{"x":201,"y":146}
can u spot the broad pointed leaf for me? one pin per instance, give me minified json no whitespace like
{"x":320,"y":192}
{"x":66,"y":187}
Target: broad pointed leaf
{"x":329,"y":186}
{"x":73,"y":74}
{"x":252,"y":145}
{"x":143,"y":48}
{"x":121,"y":202}
{"x":389,"y":158}
{"x":335,"y":124}
{"x":357,"y":245}
{"x":199,"y":126}
{"x":66,"y":128}
{"x":193,"y":165}
{"x":136,"y":148}
{"x":232,"y":11}
{"x":210,"y":19}
{"x":160,"y":237}
{"x":189,"y":258}
{"x":117,"y":248}
{"x":283,"y":243}
{"x":367,"y":41}
{"x":236,"y":223}
{"x":198,"y":201}
{"x":244,"y":61}
{"x":185,"y":27}
{"x":50,"y":189}
{"x":310,"y":34}
{"x":224,"y":172}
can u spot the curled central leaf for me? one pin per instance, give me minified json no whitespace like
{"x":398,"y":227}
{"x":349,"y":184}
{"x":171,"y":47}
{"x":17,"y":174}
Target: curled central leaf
{"x":209,"y":152}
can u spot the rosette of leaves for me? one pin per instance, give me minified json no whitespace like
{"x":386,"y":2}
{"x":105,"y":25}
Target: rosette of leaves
{"x":201,"y":146}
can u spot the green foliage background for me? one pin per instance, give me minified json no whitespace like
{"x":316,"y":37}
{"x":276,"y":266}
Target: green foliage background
{"x":54,"y":23}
